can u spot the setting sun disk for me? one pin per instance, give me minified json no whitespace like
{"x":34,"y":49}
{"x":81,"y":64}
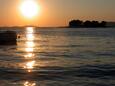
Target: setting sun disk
{"x":29,"y":8}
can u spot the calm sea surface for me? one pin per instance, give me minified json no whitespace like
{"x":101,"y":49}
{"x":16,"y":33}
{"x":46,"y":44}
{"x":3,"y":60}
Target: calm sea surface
{"x":59,"y":57}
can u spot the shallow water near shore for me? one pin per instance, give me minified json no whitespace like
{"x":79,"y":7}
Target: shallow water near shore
{"x":59,"y":57}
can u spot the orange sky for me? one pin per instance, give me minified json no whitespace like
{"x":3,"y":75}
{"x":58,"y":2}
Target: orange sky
{"x":57,"y":12}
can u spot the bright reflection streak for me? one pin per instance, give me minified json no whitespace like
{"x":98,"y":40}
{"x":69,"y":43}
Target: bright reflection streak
{"x":30,"y":44}
{"x":29,"y":55}
{"x":29,"y":65}
{"x":30,"y":51}
{"x":30,"y":30}
{"x":30,"y":37}
{"x":27,"y":83}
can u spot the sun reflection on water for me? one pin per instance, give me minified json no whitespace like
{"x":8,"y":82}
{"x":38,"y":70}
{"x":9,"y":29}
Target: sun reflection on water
{"x":30,"y":37}
{"x":29,"y":66}
{"x":30,"y":33}
{"x":29,"y":55}
{"x":30,"y":30}
{"x":29,"y":49}
{"x":27,"y":83}
{"x":30,"y":44}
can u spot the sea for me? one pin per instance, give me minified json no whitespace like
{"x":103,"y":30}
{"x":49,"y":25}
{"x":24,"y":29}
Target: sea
{"x":59,"y":57}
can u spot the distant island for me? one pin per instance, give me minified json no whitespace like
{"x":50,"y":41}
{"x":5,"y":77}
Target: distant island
{"x":87,"y":24}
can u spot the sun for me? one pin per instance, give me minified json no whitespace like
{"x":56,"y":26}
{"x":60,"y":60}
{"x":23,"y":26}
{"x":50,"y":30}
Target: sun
{"x":29,"y":8}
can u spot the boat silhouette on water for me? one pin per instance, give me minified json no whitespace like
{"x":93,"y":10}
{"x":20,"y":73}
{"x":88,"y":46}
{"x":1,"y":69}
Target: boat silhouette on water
{"x":8,"y":38}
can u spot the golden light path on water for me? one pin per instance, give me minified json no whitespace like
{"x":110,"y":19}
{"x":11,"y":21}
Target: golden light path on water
{"x":27,"y":83}
{"x":29,"y":49}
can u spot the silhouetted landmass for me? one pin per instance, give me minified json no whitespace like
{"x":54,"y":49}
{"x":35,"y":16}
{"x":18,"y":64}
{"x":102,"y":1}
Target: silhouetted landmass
{"x":75,"y":23}
{"x":8,"y":38}
{"x":79,"y":23}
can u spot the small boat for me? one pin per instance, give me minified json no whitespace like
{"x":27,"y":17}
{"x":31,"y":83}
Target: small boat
{"x":8,"y":38}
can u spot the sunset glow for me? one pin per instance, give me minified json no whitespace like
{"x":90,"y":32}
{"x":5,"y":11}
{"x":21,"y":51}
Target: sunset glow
{"x":54,"y":13}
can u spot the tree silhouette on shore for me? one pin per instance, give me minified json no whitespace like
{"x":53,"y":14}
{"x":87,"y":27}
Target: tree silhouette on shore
{"x":75,"y":23}
{"x":87,"y":23}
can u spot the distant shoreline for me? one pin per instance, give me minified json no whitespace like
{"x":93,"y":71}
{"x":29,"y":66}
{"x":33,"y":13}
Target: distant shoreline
{"x":21,"y":27}
{"x":107,"y":25}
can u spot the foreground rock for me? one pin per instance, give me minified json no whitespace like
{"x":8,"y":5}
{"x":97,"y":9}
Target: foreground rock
{"x":8,"y":38}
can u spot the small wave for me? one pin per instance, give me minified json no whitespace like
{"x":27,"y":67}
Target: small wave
{"x":94,"y":71}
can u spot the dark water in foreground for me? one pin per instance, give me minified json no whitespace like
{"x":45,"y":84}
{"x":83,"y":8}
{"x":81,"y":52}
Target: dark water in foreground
{"x":59,"y":57}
